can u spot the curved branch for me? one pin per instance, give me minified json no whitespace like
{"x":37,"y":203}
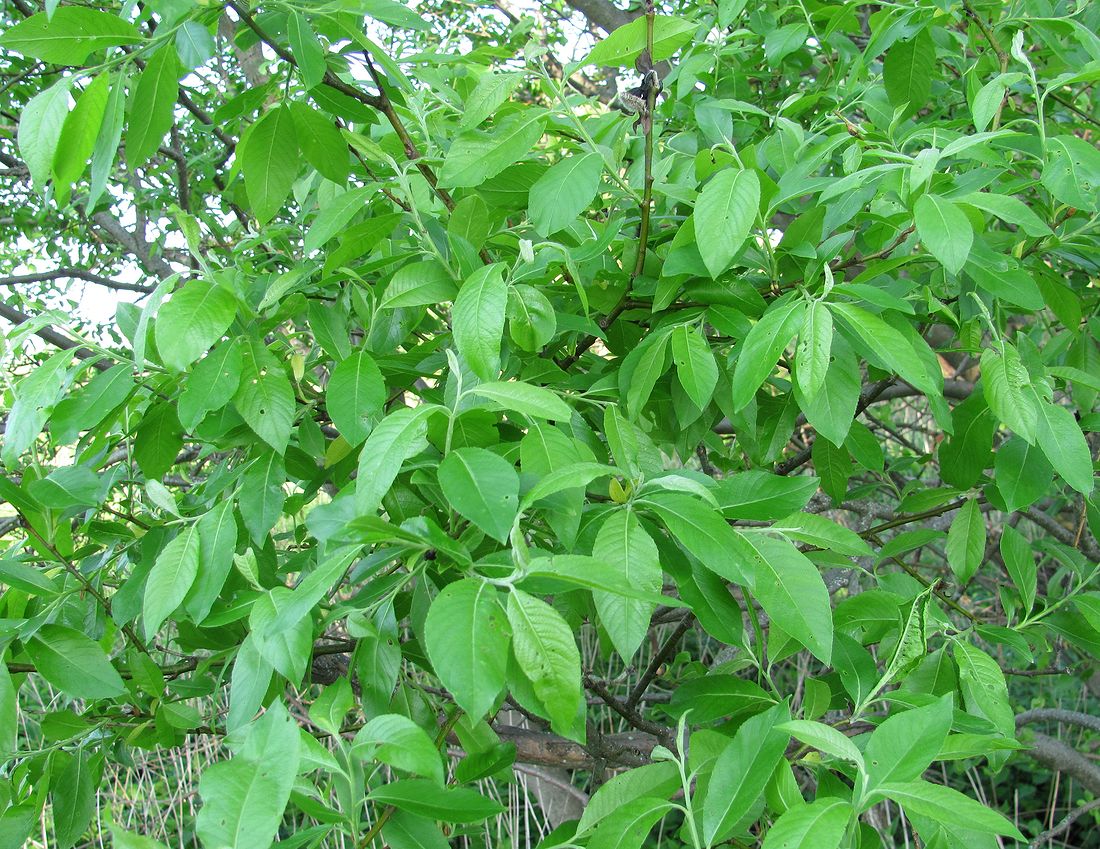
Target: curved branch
{"x":1069,"y":717}
{"x":1058,"y":756}
{"x":54,"y":338}
{"x":74,"y":274}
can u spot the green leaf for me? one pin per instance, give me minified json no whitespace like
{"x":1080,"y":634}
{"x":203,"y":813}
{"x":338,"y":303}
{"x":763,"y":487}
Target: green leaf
{"x":307,"y":50}
{"x":762,"y":348}
{"x":69,"y":36}
{"x":194,"y":45}
{"x":355,"y":394}
{"x":789,"y":587}
{"x":474,"y":156}
{"x":833,"y":466}
{"x":547,"y":654}
{"x":564,"y":192}
{"x":194,"y":318}
{"x":945,"y":231}
{"x":595,"y":574}
{"x":655,"y":780}
{"x":483,"y":487}
{"x":78,"y":135}
{"x":397,"y":437}
{"x":425,"y":798}
{"x":212,"y":383}
{"x":627,"y":827}
{"x":262,"y":496}
{"x":821,"y":824}
{"x":269,"y":161}
{"x":966,"y":541}
{"x":943,"y":804}
{"x":151,"y":106}
{"x":526,"y":399}
{"x":724,"y":214}
{"x":763,"y":496}
{"x":984,"y":690}
{"x":73,"y":663}
{"x":107,"y":142}
{"x":568,"y":477}
{"x":321,"y":144}
{"x":158,"y":441}
{"x":466,"y":637}
{"x":419,"y":284}
{"x":315,"y":586}
{"x":217,"y":543}
{"x":128,"y":840}
{"x":625,"y":43}
{"x":783,"y":41}
{"x":477,"y":320}
{"x":743,"y":769}
{"x":642,"y":368}
{"x":704,"y":533}
{"x":1059,"y":436}
{"x":907,"y":71}
{"x":695,"y":366}
{"x":906,"y":743}
{"x":170,"y":579}
{"x":532,"y":321}
{"x":1020,"y":564}
{"x":9,"y":697}
{"x":832,"y":410}
{"x":624,"y":545}
{"x":716,"y":695}
{"x":264,"y":397}
{"x":69,"y":486}
{"x":1072,"y":172}
{"x":1010,"y":209}
{"x":399,"y":742}
{"x":73,"y":795}
{"x":334,"y":217}
{"x":287,"y":647}
{"x":819,"y":531}
{"x":491,"y":91}
{"x":815,"y":342}
{"x":40,"y":126}
{"x":243,"y":799}
{"x":824,"y":738}
{"x":393,"y":13}
{"x":1006,"y":385}
{"x":891,"y":346}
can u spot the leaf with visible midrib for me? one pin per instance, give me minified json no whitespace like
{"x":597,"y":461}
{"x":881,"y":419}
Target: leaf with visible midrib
{"x":477,"y":320}
{"x":193,"y":319}
{"x":623,"y":544}
{"x":244,"y":797}
{"x":151,"y":108}
{"x":945,"y":230}
{"x":483,"y":487}
{"x":724,"y":214}
{"x":265,"y":398}
{"x":547,"y":653}
{"x":763,"y":347}
{"x":564,"y":192}
{"x":269,"y":162}
{"x":695,"y":366}
{"x":69,"y":35}
{"x":467,"y":642}
{"x":789,"y":587}
{"x":170,"y":579}
{"x":355,"y":392}
{"x":743,"y":769}
{"x":474,"y":156}
{"x":73,"y":663}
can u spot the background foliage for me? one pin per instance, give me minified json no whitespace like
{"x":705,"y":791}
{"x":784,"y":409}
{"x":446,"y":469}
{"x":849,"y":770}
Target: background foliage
{"x":471,"y":463}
